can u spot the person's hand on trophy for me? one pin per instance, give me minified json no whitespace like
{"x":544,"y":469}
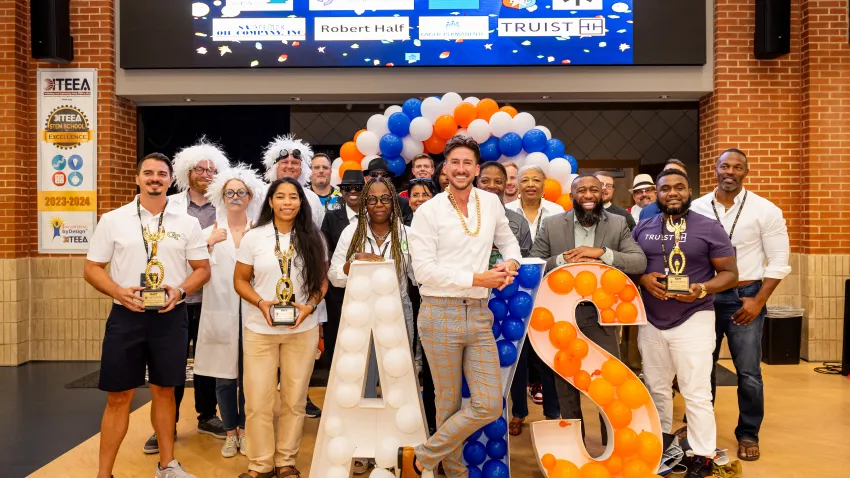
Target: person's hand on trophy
{"x":172,"y":297}
{"x":129,"y":297}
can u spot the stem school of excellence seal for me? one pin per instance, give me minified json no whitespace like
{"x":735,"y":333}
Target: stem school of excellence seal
{"x":67,"y":127}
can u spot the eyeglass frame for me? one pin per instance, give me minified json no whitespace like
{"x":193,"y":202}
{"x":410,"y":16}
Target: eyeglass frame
{"x":241,"y":192}
{"x":373,"y":200}
{"x":285,"y":153}
{"x":351,"y":187}
{"x":384,"y":174}
{"x":199,"y":170}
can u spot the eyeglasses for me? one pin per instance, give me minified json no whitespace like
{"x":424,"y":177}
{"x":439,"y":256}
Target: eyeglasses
{"x":607,"y":186}
{"x":421,"y":181}
{"x":385,"y":199}
{"x":351,"y":187}
{"x":202,"y":170}
{"x":379,"y":174}
{"x":285,"y":153}
{"x":230,"y":193}
{"x":641,"y":192}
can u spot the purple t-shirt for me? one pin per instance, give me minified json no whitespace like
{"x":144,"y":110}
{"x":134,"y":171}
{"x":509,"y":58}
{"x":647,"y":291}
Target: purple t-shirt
{"x":704,"y":239}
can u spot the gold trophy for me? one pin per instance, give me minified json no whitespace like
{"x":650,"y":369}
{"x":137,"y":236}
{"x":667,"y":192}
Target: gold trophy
{"x":284,"y":313}
{"x":677,"y":282}
{"x":153,"y":297}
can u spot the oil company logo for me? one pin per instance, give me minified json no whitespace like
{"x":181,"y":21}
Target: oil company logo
{"x":69,"y":233}
{"x":78,"y":87}
{"x":259,"y":29}
{"x":66,"y":127}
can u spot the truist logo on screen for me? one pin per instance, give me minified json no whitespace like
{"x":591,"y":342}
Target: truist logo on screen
{"x":66,"y":87}
{"x":259,"y":29}
{"x":551,"y":27}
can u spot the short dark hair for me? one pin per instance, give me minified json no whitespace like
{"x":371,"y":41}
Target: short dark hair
{"x":427,"y":183}
{"x":494,"y":164}
{"x":672,"y":172}
{"x":736,"y":151}
{"x":462,"y":141}
{"x":323,"y":155}
{"x":421,"y":156}
{"x":676,"y":162}
{"x":158,"y":157}
{"x":582,"y":176}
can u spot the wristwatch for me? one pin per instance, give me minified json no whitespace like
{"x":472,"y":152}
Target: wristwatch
{"x":313,"y":305}
{"x":182,"y":293}
{"x":704,"y":291}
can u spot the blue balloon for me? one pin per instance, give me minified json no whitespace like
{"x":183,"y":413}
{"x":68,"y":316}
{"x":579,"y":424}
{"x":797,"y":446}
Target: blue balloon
{"x":496,"y":469}
{"x":496,"y":429}
{"x":396,"y":165}
{"x":534,"y":141}
{"x":499,"y":309}
{"x":399,"y":124}
{"x":391,"y":146}
{"x":510,"y":144}
{"x":497,"y":329}
{"x":476,"y":435}
{"x":512,"y":329}
{"x":412,"y":108}
{"x":520,"y":305}
{"x":474,"y":452}
{"x":507,"y":352}
{"x":497,"y":448}
{"x":554,"y":149}
{"x":490,"y":149}
{"x":474,"y":471}
{"x":573,"y":163}
{"x":507,"y":291}
{"x":464,"y":388}
{"x":528,"y":276}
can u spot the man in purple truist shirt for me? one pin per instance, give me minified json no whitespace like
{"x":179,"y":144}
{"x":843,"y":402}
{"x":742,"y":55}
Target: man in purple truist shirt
{"x":679,"y":338}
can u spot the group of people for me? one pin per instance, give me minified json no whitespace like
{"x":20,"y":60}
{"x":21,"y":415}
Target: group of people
{"x":230,"y":243}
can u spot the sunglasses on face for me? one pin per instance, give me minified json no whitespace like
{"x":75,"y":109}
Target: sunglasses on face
{"x":421,"y":181}
{"x":385,"y":199}
{"x":351,"y":187}
{"x":379,"y":174}
{"x":231,"y":193}
{"x":201,"y":170}
{"x":286,"y":153}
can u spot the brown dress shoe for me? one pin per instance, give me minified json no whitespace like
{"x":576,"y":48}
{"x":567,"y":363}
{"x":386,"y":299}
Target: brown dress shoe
{"x":407,"y":463}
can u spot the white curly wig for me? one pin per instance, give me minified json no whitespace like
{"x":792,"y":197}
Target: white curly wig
{"x":252,"y":181}
{"x":287,"y":142}
{"x":189,"y":157}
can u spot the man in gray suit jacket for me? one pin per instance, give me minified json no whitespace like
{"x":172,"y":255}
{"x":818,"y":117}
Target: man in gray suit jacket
{"x":587,"y":234}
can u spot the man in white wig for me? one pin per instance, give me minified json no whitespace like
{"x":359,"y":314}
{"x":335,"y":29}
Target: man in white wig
{"x":194,"y":169}
{"x":288,"y":157}
{"x":237,"y":194}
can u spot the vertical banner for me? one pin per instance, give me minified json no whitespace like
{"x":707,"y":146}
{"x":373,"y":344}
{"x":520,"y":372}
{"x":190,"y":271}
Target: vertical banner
{"x":67,"y":159}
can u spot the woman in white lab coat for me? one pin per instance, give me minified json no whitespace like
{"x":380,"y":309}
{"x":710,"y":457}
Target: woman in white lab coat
{"x":237,"y":194}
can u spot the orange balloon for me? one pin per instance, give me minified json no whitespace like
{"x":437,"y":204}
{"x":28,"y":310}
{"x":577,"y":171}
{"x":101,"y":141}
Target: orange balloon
{"x":565,"y":201}
{"x":613,"y":281}
{"x":581,"y":380}
{"x":636,"y":469}
{"x":615,"y":372}
{"x":594,"y":470}
{"x":566,"y":365}
{"x":564,"y":469}
{"x":358,"y":134}
{"x":619,"y":414}
{"x":348,"y":165}
{"x":465,"y":113}
{"x":551,"y":190}
{"x":628,"y":294}
{"x":435,"y":144}
{"x":349,"y":152}
{"x":548,"y":461}
{"x":603,"y":299}
{"x":625,"y":442}
{"x":626,"y":312}
{"x":601,"y":391}
{"x":561,"y":281}
{"x":445,"y":127}
{"x":561,"y":334}
{"x":586,"y":283}
{"x":608,"y":316}
{"x":486,"y":108}
{"x":614,"y":464}
{"x":649,"y":448}
{"x":509,"y":110}
{"x":577,"y":348}
{"x":542,"y":319}
{"x":633,"y":393}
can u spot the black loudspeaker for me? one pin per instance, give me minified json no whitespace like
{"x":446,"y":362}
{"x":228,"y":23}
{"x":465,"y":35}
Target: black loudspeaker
{"x":845,"y":352}
{"x":773,"y":29}
{"x":50,"y":28}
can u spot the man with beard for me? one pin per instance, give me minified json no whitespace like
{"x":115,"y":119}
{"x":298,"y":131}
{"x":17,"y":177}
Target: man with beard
{"x":450,"y":243}
{"x":587,"y":233}
{"x":643,"y":194}
{"x":320,"y":182}
{"x":651,"y":209}
{"x":758,"y":233}
{"x":607,"y":180}
{"x":126,"y":239}
{"x":679,"y":337}
{"x":194,"y":169}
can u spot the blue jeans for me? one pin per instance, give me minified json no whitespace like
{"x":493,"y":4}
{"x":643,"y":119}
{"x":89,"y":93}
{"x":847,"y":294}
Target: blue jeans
{"x":230,"y":395}
{"x":519,"y":393}
{"x":745,"y":346}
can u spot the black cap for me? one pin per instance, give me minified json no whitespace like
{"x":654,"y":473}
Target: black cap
{"x":352,"y":177}
{"x":379,"y":164}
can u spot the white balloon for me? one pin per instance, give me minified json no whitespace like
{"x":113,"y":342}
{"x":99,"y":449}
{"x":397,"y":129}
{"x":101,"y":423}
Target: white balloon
{"x":336,"y":164}
{"x":389,"y":335}
{"x":386,"y":455}
{"x":352,"y":339}
{"x":408,"y":418}
{"x":351,"y":367}
{"x":397,"y":361}
{"x":545,"y":131}
{"x":519,"y":159}
{"x":334,"y":426}
{"x":338,"y":472}
{"x":472,"y":100}
{"x":411,"y":147}
{"x":364,"y":163}
{"x":384,"y":281}
{"x":522,"y":123}
{"x":335,"y":179}
{"x":391,"y":110}
{"x":359,"y":287}
{"x":560,"y":170}
{"x":396,"y":398}
{"x":540,"y":160}
{"x":357,"y":313}
{"x":347,"y":396}
{"x":367,"y":143}
{"x":449,"y":103}
{"x":500,"y":124}
{"x":462,"y":132}
{"x":377,"y":124}
{"x":421,"y":128}
{"x":388,"y":307}
{"x":431,"y":110}
{"x":572,"y":178}
{"x":479,"y":130}
{"x":340,"y":451}
{"x":382,"y":473}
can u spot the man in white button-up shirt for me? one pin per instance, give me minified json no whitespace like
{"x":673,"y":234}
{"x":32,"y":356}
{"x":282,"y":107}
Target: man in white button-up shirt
{"x":450,"y":243}
{"x":758,"y":233}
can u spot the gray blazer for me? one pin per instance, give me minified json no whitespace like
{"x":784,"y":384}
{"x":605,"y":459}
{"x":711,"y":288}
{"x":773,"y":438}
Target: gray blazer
{"x":558,"y":236}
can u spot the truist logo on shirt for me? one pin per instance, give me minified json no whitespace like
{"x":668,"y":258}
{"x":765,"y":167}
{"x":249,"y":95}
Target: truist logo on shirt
{"x":666,"y":237}
{"x":174,"y":235}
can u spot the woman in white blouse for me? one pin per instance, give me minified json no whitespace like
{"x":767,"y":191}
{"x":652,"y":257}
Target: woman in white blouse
{"x":531,"y":204}
{"x":285,"y":237}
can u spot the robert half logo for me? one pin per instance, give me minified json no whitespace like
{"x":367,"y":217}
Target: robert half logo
{"x":67,"y":127}
{"x":66,"y":87}
{"x":69,"y":233}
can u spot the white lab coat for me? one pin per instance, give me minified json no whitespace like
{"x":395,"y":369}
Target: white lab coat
{"x":217,"y":350}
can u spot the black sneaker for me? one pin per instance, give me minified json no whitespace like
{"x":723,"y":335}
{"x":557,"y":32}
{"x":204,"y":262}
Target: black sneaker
{"x":151,"y":446}
{"x":698,"y":467}
{"x":312,"y":410}
{"x":212,"y":426}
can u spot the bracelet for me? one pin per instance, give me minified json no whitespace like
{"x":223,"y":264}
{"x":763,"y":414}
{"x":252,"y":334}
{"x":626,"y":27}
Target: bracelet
{"x":259,"y":302}
{"x":313,"y":305}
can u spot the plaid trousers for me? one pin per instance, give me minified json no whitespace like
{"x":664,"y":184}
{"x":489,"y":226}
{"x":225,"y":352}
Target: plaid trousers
{"x":457,"y":338}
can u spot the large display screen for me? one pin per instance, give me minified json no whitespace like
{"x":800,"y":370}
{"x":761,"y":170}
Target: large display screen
{"x":397,"y":33}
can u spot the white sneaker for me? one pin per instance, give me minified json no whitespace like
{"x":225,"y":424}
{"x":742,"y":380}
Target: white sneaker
{"x":243,"y":445}
{"x":173,"y":470}
{"x":230,"y":447}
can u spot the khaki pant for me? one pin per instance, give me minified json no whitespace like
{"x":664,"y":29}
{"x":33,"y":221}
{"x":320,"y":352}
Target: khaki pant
{"x":294,"y":354}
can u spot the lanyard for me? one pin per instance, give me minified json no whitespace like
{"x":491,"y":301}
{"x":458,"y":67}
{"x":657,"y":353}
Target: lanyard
{"x":284,"y":270}
{"x":148,"y":253}
{"x":737,"y":216}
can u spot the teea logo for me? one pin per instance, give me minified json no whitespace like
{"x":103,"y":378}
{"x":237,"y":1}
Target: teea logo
{"x":67,"y":87}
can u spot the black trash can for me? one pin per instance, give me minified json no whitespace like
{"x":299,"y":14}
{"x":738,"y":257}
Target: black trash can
{"x":780,"y":342}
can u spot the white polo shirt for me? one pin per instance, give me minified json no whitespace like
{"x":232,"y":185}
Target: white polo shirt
{"x":118,"y":241}
{"x":257,"y":251}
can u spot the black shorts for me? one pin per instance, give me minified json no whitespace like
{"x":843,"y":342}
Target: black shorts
{"x":136,"y":339}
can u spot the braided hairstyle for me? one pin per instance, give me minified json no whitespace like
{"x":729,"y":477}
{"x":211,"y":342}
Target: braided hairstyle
{"x":397,"y":232}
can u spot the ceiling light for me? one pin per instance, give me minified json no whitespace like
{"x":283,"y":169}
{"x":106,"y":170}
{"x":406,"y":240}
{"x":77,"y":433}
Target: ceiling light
{"x":664,"y":97}
{"x":189,"y":100}
{"x":546,"y":97}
